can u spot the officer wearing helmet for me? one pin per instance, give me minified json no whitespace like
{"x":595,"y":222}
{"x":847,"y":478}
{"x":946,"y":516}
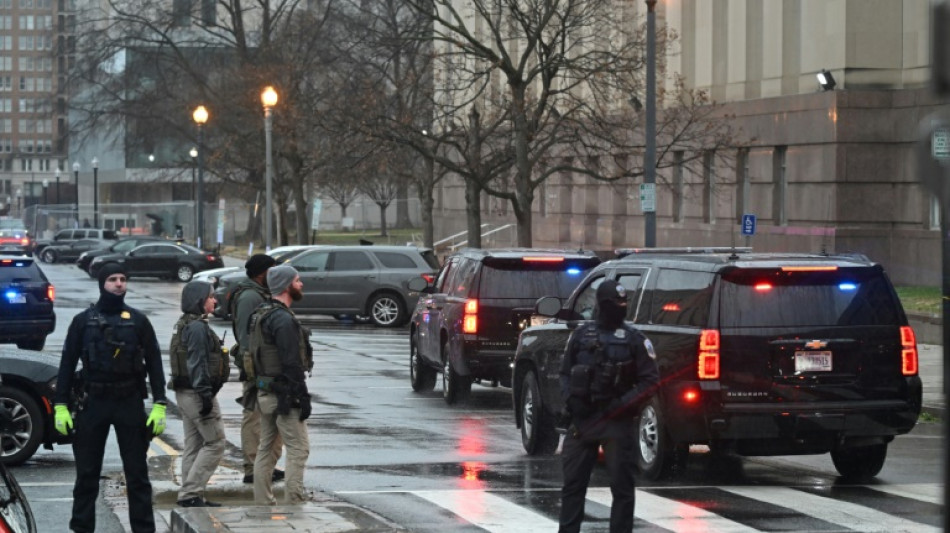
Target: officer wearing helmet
{"x":608,"y":370}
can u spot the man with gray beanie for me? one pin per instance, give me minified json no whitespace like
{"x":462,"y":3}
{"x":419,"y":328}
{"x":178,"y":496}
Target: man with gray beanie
{"x":247,"y":296}
{"x":280,"y":348}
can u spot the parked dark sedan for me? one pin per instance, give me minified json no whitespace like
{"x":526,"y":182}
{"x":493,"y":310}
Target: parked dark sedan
{"x":27,"y":382}
{"x":123,"y":245}
{"x":166,"y":260}
{"x":65,"y":253}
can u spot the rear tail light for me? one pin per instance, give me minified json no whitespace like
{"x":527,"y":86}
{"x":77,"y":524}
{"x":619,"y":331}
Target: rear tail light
{"x":470,"y":317}
{"x":690,"y":396}
{"x":543,"y":259}
{"x":709,"y":354}
{"x":211,"y":257}
{"x":813,"y":268}
{"x":430,"y":279}
{"x":51,"y":293}
{"x":908,"y":351}
{"x":25,"y":241}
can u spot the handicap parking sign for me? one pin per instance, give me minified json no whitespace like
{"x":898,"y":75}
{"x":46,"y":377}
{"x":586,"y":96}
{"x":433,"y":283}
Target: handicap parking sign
{"x":748,"y":224}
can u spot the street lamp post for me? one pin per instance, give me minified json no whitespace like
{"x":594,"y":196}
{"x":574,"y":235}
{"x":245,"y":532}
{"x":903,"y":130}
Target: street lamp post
{"x":45,"y":187}
{"x":194,"y":213}
{"x":57,"y":184}
{"x":19,"y":194}
{"x":269,"y":100}
{"x":95,"y":192}
{"x":200,"y":115}
{"x":649,"y":158}
{"x":76,"y":177}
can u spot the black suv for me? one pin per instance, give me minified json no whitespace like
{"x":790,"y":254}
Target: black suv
{"x":26,"y":303}
{"x":468,"y":324}
{"x":759,"y":354}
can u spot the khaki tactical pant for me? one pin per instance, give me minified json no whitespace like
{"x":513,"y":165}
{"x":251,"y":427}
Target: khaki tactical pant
{"x":294,"y":434}
{"x":204,"y":443}
{"x":251,"y":430}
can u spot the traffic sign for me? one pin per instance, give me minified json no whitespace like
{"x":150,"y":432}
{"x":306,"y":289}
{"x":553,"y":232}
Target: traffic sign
{"x":648,"y":197}
{"x":940,"y":143}
{"x":748,"y":224}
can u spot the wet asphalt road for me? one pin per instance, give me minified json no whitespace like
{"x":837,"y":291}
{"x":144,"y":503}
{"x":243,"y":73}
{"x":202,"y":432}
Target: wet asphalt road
{"x":431,"y":467}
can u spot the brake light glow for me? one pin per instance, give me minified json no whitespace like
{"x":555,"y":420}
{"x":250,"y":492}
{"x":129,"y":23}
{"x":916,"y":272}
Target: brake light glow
{"x":708,"y":354}
{"x":51,"y":293}
{"x":814,"y":268}
{"x":545,"y":259}
{"x":908,"y":351}
{"x":763,"y":287}
{"x":690,"y":396}
{"x":470,"y":318}
{"x":24,"y":241}
{"x":671,"y":307}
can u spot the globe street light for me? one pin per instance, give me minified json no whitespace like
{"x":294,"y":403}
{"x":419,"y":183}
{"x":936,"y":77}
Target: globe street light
{"x":76,"y":177}
{"x":95,"y":192}
{"x":200,"y":115}
{"x":194,"y":213}
{"x":269,"y":99}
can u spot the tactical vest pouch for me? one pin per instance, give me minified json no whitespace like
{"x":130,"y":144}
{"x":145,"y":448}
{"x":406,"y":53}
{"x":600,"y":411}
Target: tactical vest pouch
{"x":580,"y":381}
{"x":263,"y":383}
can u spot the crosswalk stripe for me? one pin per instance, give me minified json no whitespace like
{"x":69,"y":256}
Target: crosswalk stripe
{"x":672,"y":514}
{"x":925,"y":492}
{"x":489,"y":512}
{"x":831,"y":510}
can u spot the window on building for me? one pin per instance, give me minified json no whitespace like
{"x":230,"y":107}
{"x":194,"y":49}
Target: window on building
{"x":6,"y":42}
{"x":208,"y":14}
{"x":6,"y":22}
{"x":27,"y":22}
{"x":181,"y":12}
{"x":933,"y":221}
{"x":6,"y":63}
{"x":6,"y":125}
{"x":26,"y":42}
{"x":709,"y":187}
{"x":779,"y":186}
{"x":6,"y":83}
{"x":743,"y":187}
{"x":26,"y":4}
{"x":6,"y":105}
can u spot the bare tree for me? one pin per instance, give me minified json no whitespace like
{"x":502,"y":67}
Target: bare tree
{"x":561,"y":72}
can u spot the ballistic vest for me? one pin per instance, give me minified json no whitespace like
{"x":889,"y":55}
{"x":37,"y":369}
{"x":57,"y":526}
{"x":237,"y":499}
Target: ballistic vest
{"x":111,"y":347}
{"x":217,"y":357}
{"x":264,"y":359}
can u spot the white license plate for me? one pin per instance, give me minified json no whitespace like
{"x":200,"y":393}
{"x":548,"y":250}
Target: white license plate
{"x":17,"y":299}
{"x":813,"y":361}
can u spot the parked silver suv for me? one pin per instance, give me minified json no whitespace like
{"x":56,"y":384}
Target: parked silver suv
{"x":370,"y":282}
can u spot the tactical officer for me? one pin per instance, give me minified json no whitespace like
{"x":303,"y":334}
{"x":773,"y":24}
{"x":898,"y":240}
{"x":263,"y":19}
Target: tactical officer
{"x":607,"y":371}
{"x":199,"y":367}
{"x":118,"y":348}
{"x":247,"y":296}
{"x":281,"y":350}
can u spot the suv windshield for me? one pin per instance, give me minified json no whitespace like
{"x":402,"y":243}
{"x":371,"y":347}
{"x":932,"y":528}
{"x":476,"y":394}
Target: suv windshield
{"x":772,"y":297}
{"x":516,"y":278}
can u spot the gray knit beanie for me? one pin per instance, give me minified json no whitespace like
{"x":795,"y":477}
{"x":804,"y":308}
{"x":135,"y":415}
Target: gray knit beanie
{"x":279,"y":278}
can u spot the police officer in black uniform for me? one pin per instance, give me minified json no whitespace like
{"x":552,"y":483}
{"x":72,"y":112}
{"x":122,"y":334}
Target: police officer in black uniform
{"x":608,"y":370}
{"x":118,"y":349}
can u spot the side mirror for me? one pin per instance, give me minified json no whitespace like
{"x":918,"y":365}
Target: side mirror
{"x":548,"y":306}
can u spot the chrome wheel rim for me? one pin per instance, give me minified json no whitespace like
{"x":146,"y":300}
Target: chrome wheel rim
{"x":15,"y":431}
{"x":527,"y":412}
{"x":649,"y":434}
{"x":184,"y":273}
{"x":385,"y":311}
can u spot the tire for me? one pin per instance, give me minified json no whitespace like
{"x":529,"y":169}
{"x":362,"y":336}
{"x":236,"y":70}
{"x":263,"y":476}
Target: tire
{"x":860,"y":464}
{"x":387,"y":310}
{"x":184,"y":273}
{"x":21,"y":426}
{"x":35,"y":343}
{"x":49,"y":256}
{"x":455,"y":388}
{"x":421,"y":376}
{"x":538,"y":435}
{"x":655,"y":452}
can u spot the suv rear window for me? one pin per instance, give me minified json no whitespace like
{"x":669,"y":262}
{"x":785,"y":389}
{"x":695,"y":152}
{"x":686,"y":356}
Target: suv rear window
{"x":771,"y":297}
{"x":682,"y":298}
{"x":516,"y":278}
{"x":19,"y":270}
{"x":431,"y":259}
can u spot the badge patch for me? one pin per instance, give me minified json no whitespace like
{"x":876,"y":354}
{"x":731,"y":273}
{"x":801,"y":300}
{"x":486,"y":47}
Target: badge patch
{"x":620,"y":333}
{"x":125,"y":315}
{"x":649,"y":346}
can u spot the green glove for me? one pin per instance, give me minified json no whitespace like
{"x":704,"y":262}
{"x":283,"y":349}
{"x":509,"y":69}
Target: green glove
{"x":156,"y":419}
{"x":62,"y":419}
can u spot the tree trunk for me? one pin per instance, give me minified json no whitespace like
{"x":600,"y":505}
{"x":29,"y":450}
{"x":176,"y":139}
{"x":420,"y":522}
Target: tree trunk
{"x":473,"y":213}
{"x":300,"y":204}
{"x":403,"y":220}
{"x":382,"y":220}
{"x":524,"y":219}
{"x":427,"y":201}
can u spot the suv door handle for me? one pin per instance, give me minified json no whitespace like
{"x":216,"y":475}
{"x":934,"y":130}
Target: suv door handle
{"x":370,"y":276}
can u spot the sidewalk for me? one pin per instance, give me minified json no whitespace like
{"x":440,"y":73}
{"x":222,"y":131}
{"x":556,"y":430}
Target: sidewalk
{"x":325,"y":513}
